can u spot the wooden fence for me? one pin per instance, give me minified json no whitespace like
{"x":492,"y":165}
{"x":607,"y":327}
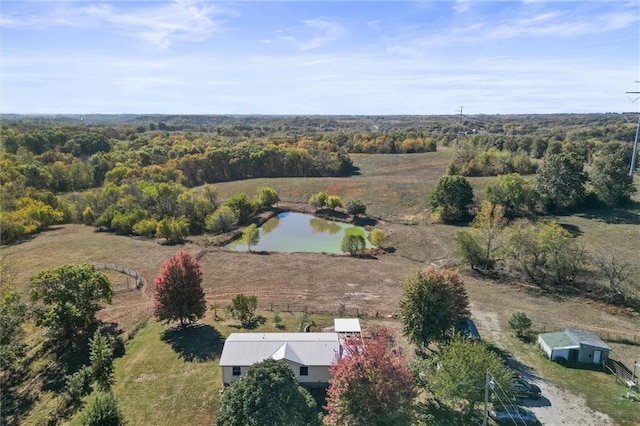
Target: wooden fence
{"x":341,"y":310}
{"x":137,"y":282}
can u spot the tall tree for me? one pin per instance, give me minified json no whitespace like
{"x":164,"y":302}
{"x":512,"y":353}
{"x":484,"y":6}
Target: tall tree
{"x":333,"y":202}
{"x":515,"y":193}
{"x":221,"y":220}
{"x":67,"y":299}
{"x":458,"y":373}
{"x":451,"y":198}
{"x":267,"y":197}
{"x":377,"y":237}
{"x":243,"y":308}
{"x":243,"y":206}
{"x":610,"y":179}
{"x":352,"y":242}
{"x":101,"y":357}
{"x":251,"y":235}
{"x":178,"y":293}
{"x":480,"y":245}
{"x":355,"y":208}
{"x":268,"y":395}
{"x":172,"y":229}
{"x":561,"y":180}
{"x":13,"y":314}
{"x":434,"y":302}
{"x":371,"y":384}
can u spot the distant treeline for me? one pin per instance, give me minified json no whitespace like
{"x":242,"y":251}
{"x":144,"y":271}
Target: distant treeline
{"x":43,"y":156}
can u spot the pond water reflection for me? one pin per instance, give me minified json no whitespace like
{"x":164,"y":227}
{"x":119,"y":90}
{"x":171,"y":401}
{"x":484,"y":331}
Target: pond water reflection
{"x":291,"y":232}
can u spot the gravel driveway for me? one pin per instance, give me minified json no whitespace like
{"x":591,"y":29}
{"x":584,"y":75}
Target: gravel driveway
{"x":558,"y":407}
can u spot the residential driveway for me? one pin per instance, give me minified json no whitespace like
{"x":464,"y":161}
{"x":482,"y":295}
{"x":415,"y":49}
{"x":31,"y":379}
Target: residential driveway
{"x":558,"y":407}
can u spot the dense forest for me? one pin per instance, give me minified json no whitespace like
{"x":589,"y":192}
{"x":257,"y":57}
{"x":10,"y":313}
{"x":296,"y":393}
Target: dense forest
{"x":119,"y":171}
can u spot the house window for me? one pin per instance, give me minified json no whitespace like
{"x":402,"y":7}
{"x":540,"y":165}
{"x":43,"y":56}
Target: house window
{"x":304,"y":371}
{"x":236,"y":371}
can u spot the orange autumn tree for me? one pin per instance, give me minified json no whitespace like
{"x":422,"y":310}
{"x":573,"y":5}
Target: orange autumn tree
{"x":178,"y":294}
{"x":371,"y":384}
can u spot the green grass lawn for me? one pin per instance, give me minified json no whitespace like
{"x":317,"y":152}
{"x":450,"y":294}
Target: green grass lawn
{"x":171,"y":377}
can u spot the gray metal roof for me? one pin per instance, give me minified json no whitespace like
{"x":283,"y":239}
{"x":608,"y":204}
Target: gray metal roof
{"x":585,"y":338}
{"x":572,"y":338}
{"x":559,"y":340}
{"x":346,"y":325}
{"x":311,"y":349}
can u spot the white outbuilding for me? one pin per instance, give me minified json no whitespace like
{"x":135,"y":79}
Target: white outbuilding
{"x":575,"y":346}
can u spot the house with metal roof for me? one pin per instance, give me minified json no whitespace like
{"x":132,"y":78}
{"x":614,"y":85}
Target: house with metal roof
{"x":574,"y":345}
{"x":310,"y":355}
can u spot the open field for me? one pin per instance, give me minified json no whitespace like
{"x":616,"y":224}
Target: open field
{"x":396,"y":190}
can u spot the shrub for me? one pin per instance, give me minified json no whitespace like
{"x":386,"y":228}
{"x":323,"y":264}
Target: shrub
{"x":104,"y":410}
{"x":520,"y":323}
{"x":222,"y":220}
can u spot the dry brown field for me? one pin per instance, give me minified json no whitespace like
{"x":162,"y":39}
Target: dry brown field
{"x":395,"y":189}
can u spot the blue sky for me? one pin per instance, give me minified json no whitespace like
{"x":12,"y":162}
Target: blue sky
{"x":323,"y":57}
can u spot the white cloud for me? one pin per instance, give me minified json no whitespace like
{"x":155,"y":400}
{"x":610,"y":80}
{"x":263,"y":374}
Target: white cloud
{"x":161,"y":24}
{"x":560,"y":25}
{"x":315,"y":33}
{"x":462,"y":6}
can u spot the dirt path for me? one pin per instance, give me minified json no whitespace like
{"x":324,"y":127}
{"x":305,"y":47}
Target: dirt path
{"x":556,"y":407}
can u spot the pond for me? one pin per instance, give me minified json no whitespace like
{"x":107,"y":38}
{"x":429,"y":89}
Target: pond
{"x":291,"y":232}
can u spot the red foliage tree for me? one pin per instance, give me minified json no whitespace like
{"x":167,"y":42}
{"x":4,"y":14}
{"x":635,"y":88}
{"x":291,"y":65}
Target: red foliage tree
{"x":371,"y":385}
{"x":178,"y":294}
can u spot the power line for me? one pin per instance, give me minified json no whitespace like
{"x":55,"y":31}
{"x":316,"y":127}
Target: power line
{"x":634,"y":155}
{"x":491,"y":382}
{"x":459,"y":127}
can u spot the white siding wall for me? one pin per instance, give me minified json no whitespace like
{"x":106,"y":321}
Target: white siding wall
{"x":227,"y":374}
{"x":316,"y":374}
{"x":545,"y":348}
{"x":564,"y":353}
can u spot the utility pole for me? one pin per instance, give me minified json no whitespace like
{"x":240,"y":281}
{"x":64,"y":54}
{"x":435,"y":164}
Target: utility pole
{"x":634,"y":155}
{"x":486,"y":398}
{"x":459,"y":127}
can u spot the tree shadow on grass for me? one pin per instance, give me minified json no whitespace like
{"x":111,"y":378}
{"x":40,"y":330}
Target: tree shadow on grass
{"x":365,"y":221}
{"x":16,"y":399}
{"x":433,"y":413}
{"x":629,"y":214}
{"x":251,"y":325}
{"x":195,"y":343}
{"x":523,"y":370}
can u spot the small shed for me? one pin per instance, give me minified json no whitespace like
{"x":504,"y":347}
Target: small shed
{"x":574,"y":345}
{"x":347,"y":327}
